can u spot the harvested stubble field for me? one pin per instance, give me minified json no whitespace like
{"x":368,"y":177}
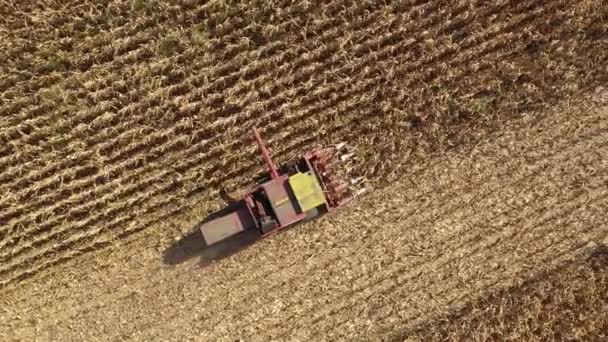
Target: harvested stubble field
{"x":122,"y":121}
{"x":566,"y":303}
{"x":523,"y":200}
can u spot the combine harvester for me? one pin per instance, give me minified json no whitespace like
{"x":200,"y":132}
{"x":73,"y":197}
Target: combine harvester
{"x":302,"y":190}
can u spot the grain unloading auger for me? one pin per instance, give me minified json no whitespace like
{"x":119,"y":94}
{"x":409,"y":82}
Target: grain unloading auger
{"x":303,"y":189}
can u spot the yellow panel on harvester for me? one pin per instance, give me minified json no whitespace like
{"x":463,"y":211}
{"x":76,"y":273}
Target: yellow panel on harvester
{"x":307,"y":190}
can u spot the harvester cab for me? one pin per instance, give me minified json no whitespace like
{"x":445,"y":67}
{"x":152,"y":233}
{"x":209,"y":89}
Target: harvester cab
{"x":303,"y":189}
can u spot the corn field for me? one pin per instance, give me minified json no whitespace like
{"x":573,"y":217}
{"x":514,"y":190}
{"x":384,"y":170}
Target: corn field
{"x":117,"y":117}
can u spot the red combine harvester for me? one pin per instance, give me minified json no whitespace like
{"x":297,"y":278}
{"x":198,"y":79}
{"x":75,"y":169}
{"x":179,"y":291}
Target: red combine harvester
{"x":304,"y":189}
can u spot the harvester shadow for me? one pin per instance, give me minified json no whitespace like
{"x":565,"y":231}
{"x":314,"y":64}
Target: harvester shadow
{"x":193,"y":245}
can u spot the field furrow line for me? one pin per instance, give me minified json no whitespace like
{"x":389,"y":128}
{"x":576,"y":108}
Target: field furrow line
{"x":378,"y":44}
{"x":137,"y":252}
{"x":124,"y":125}
{"x":573,"y":256}
{"x":517,"y":237}
{"x":201,"y":93}
{"x":552,"y":257}
{"x":85,"y":243}
{"x":296,"y":135}
{"x":326,"y":43}
{"x":49,"y":235}
{"x":333,"y":89}
{"x":16,"y":105}
{"x":65,"y":28}
{"x":95,"y":218}
{"x":360,"y":65}
{"x":122,"y":55}
{"x":348,"y":94}
{"x":103,"y":134}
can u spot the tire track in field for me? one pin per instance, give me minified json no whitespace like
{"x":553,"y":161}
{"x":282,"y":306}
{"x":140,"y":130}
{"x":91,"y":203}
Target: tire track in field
{"x":554,"y":269}
{"x":566,"y":135}
{"x":175,"y":317}
{"x":441,"y":201}
{"x":547,"y":195}
{"x":132,"y":255}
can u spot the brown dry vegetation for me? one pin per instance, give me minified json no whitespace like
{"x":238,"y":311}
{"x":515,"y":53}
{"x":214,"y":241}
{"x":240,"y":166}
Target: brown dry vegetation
{"x":116,"y":117}
{"x":567,"y":303}
{"x":476,"y":220}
